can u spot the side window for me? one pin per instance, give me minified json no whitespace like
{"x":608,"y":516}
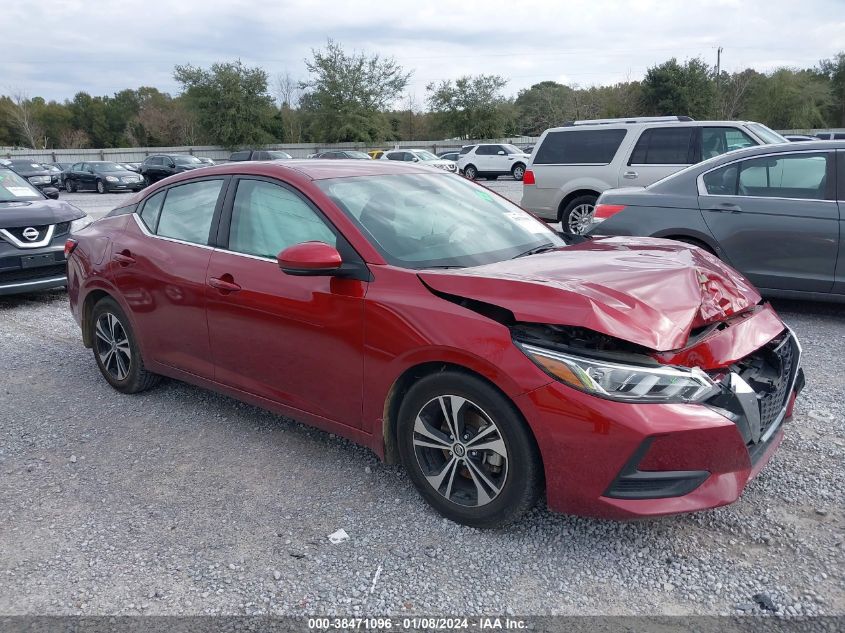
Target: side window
{"x":239,"y":156}
{"x":485,"y":150}
{"x":579,"y":147}
{"x":261,"y":155}
{"x":76,"y":167}
{"x":785,"y":176}
{"x":396,"y":156}
{"x":467,"y":149}
{"x":267,"y":218}
{"x":152,"y":210}
{"x":719,"y":140}
{"x":188,"y":210}
{"x":664,"y":146}
{"x":156,"y":161}
{"x":722,"y":181}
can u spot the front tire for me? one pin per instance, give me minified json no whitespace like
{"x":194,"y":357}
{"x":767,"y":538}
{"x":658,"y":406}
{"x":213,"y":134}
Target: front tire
{"x":116,"y":349}
{"x":468,"y":451}
{"x":70,"y":187}
{"x":577,"y":216}
{"x":101,"y":187}
{"x":470,"y":172}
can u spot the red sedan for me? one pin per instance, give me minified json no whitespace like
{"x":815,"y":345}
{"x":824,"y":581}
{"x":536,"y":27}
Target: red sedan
{"x":435,"y":322}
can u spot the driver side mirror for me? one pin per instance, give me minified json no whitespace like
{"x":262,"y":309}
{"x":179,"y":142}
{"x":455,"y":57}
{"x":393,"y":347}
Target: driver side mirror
{"x":501,"y":152}
{"x":415,"y":160}
{"x":51,"y":192}
{"x":310,"y":259}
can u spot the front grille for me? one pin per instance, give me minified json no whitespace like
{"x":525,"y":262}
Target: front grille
{"x":32,"y":274}
{"x":18,"y":232}
{"x":772,"y":402}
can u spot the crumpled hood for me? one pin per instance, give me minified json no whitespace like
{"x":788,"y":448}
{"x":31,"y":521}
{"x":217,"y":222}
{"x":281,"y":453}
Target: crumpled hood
{"x":647,"y":291}
{"x":37,"y":212}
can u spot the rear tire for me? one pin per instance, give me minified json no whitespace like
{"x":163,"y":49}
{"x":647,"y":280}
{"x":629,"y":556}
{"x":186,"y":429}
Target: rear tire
{"x":70,"y":187}
{"x":576,"y":215}
{"x":116,"y":349}
{"x":470,"y":172}
{"x":491,"y":473}
{"x":518,"y":171}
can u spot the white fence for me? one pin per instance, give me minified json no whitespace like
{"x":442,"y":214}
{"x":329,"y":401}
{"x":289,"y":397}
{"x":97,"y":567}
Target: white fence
{"x":297,"y":150}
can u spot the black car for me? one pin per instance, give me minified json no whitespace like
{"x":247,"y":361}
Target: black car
{"x":33,"y":231}
{"x":35,"y":173}
{"x":102,"y":177}
{"x":259,"y":154}
{"x":343,"y":154}
{"x":798,"y":138}
{"x":159,"y":166}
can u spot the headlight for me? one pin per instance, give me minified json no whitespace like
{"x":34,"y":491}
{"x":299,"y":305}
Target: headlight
{"x":39,"y":180}
{"x":617,"y":381}
{"x":80,"y":223}
{"x":112,"y":179}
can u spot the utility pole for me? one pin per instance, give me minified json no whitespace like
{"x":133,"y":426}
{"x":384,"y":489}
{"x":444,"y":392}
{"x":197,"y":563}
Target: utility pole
{"x":719,"y":80}
{"x":718,"y":64}
{"x":411,"y":117}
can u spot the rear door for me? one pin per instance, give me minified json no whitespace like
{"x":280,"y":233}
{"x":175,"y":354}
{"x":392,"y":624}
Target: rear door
{"x":776,"y":218}
{"x":659,"y":152}
{"x":159,"y":264}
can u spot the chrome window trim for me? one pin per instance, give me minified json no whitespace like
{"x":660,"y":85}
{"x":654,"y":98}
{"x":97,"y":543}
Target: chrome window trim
{"x":702,"y":190}
{"x":16,"y":242}
{"x":247,"y":255}
{"x":146,"y":232}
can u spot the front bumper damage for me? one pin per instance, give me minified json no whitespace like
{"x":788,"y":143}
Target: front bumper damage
{"x":622,"y":460}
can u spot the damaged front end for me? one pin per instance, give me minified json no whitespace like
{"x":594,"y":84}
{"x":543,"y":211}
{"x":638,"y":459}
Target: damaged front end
{"x":746,"y":368}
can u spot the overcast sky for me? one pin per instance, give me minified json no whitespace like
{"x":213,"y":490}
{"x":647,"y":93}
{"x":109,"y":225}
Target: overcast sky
{"x":60,"y":47}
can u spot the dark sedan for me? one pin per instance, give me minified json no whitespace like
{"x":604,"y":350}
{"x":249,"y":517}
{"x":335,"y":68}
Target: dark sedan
{"x":343,"y":154}
{"x":160,"y":166}
{"x":102,"y":177}
{"x":35,"y":173}
{"x":773,"y":212}
{"x":33,"y":231}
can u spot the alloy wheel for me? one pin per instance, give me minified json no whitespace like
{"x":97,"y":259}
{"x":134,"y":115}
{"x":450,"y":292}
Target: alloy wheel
{"x":580,"y":219}
{"x":113,"y":348}
{"x":460,"y":450}
{"x":518,"y":172}
{"x":101,"y":188}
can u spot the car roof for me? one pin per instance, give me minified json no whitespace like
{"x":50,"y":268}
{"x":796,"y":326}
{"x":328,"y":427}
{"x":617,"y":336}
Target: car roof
{"x":640,"y":124}
{"x":318,"y":169}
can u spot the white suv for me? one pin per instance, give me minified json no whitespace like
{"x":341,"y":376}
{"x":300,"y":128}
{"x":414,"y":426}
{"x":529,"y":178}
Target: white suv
{"x":491,"y":160}
{"x":573,"y":164}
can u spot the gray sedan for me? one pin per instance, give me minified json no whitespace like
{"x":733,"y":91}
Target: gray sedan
{"x":776,"y":213}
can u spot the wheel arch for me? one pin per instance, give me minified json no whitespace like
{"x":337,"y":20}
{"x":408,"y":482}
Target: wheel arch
{"x":571,"y":196}
{"x":689,"y":236}
{"x":402,"y":385}
{"x":91,"y":299}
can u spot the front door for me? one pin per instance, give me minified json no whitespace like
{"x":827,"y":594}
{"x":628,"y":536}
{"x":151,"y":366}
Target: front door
{"x":294,"y":340}
{"x":776,"y":218}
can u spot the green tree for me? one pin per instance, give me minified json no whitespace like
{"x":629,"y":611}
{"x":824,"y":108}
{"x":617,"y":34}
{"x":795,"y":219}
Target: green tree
{"x":544,"y":105}
{"x":470,"y":107}
{"x":348,"y":94}
{"x":672,"y":88}
{"x":229,"y":101}
{"x":791,"y":100}
{"x":834,"y":70}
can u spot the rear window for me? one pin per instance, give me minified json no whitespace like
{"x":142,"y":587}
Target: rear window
{"x":594,"y":147}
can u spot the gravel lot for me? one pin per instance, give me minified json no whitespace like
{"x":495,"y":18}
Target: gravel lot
{"x":183,"y":501}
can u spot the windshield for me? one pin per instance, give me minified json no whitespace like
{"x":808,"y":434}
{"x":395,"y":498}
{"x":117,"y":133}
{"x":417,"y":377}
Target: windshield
{"x":278,"y":155}
{"x":187,"y":160}
{"x":512,"y":149}
{"x":13,"y":187}
{"x":768,"y":135}
{"x":424,"y":155}
{"x":107,"y":167}
{"x":433,"y":221}
{"x":25,"y":165}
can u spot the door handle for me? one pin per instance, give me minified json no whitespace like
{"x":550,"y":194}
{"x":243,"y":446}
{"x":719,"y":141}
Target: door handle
{"x":224,"y":284}
{"x":726,"y":207}
{"x":124,"y":258}
{"x":630,"y":175}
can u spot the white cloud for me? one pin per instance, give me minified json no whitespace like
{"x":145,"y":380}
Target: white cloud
{"x":56,"y":49}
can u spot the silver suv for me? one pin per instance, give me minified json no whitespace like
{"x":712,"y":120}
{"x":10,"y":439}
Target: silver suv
{"x":573,"y":164}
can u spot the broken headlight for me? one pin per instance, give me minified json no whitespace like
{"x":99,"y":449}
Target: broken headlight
{"x":618,"y":381}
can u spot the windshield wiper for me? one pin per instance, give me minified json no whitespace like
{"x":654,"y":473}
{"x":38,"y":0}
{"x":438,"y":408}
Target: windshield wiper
{"x":548,"y":246}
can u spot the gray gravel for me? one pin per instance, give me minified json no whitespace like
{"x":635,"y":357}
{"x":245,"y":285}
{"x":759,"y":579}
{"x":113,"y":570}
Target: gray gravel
{"x":183,"y":501}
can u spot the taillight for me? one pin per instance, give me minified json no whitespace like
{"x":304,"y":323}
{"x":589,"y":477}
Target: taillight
{"x":70,"y":246}
{"x":604,"y":211}
{"x":528,"y":177}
